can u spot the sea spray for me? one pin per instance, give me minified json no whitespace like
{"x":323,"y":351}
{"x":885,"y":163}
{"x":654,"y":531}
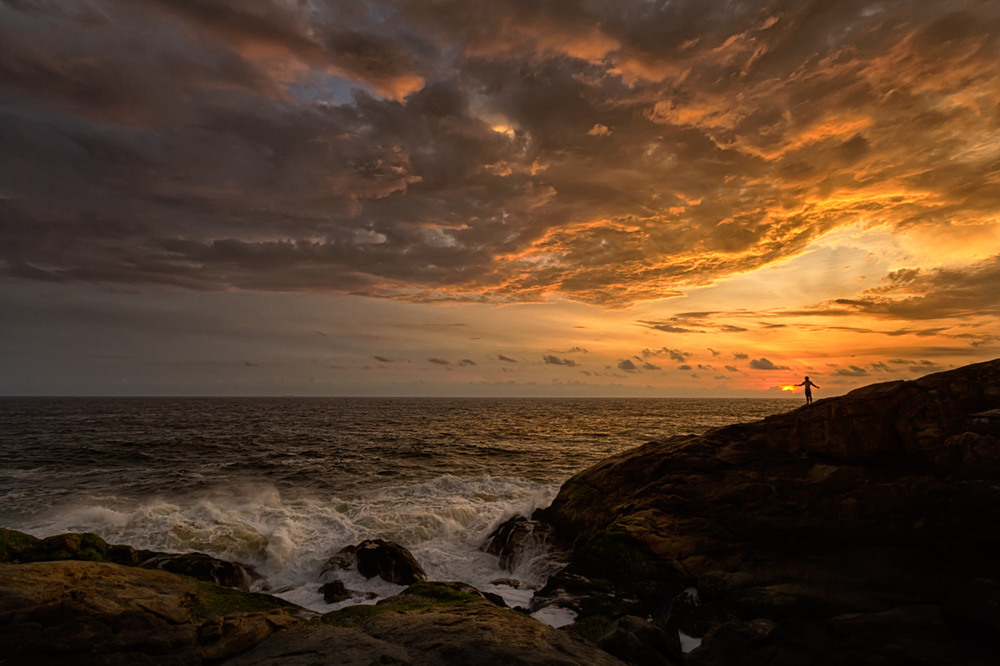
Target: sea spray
{"x":443,"y":522}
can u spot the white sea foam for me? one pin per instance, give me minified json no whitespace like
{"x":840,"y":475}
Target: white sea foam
{"x":555,"y":616}
{"x":443,"y":522}
{"x":688,"y":643}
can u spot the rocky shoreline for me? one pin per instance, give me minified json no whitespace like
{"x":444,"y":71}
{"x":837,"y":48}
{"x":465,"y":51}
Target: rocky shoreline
{"x":863,"y":529}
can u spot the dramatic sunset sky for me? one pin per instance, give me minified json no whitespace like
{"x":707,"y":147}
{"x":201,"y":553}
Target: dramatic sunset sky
{"x":523,"y":198}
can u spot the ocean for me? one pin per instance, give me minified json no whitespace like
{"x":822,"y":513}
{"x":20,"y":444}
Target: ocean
{"x":281,"y":484}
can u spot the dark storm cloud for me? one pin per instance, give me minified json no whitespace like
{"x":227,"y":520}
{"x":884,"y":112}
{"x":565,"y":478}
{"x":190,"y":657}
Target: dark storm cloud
{"x":429,"y":151}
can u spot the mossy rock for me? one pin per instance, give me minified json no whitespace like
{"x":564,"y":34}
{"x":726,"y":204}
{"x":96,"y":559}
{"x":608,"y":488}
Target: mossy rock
{"x":14,"y":545}
{"x":84,"y":546}
{"x":214,"y":601}
{"x":418,"y":596}
{"x":20,"y":547}
{"x":444,"y":593}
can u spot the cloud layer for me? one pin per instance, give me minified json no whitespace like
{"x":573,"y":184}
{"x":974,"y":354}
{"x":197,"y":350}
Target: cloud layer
{"x":603,"y":151}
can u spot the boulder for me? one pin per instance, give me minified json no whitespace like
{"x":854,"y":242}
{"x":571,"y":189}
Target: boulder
{"x":207,"y":568}
{"x":377,"y":557}
{"x":516,"y":538}
{"x":334,"y":592}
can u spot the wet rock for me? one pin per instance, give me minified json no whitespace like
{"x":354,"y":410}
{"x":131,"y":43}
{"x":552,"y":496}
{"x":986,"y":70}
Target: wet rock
{"x":207,"y":568}
{"x":585,"y":596}
{"x":495,"y":599}
{"x":632,"y":639}
{"x":514,"y":583}
{"x":335,"y":592}
{"x":517,"y":538}
{"x":377,"y":557}
{"x":686,"y":613}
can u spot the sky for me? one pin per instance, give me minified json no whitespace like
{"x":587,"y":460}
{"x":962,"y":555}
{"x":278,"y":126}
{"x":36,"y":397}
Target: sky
{"x":648,"y":198}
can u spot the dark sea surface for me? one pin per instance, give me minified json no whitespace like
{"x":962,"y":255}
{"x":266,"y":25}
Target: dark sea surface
{"x":283,"y":483}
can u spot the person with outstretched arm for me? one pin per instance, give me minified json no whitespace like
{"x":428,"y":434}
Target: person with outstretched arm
{"x":809,"y":394}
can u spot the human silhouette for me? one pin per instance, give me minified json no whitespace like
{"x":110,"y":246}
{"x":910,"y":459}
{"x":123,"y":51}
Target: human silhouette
{"x":809,"y":394}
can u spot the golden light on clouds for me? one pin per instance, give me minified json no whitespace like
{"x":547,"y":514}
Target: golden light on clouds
{"x":706,"y":197}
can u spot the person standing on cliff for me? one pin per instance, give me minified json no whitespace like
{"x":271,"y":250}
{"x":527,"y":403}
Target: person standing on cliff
{"x":809,"y":394}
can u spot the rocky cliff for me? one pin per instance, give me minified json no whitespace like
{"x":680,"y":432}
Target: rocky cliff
{"x":858,"y":529}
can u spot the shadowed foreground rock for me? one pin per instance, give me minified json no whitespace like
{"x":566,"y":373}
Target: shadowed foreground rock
{"x":430,"y":623}
{"x":19,"y":547}
{"x":860,"y":529}
{"x":77,"y":612}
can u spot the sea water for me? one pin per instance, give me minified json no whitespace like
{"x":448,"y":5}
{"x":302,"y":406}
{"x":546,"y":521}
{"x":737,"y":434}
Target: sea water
{"x":281,"y":484}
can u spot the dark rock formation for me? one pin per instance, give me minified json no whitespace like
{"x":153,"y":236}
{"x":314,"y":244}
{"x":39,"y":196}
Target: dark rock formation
{"x":516,"y":537}
{"x":335,"y":592}
{"x":848,"y":523}
{"x":84,"y":612}
{"x":376,"y":557}
{"x":207,"y":568}
{"x":430,"y":623}
{"x":19,"y":547}
{"x":632,"y":639}
{"x":80,"y":612}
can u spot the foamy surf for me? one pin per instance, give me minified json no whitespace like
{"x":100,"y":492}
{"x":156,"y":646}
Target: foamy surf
{"x":443,"y":522}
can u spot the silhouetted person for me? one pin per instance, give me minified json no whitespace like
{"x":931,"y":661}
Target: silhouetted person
{"x":809,"y":394}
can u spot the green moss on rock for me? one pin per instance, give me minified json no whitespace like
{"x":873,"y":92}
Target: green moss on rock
{"x":418,"y":596}
{"x":72,"y":546}
{"x":213,"y":601}
{"x":14,"y":544}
